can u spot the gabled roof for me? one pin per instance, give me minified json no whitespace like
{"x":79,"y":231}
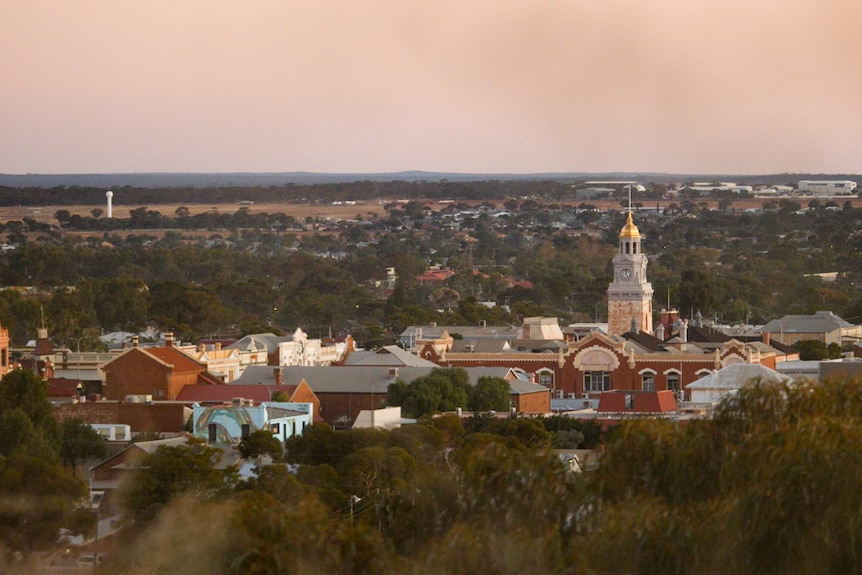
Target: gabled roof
{"x":162,"y":355}
{"x":706,"y":334}
{"x":645,"y":340}
{"x":820,"y":322}
{"x":181,"y":361}
{"x":390,"y":355}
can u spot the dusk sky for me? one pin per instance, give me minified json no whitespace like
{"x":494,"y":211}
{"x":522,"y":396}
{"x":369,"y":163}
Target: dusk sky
{"x":487,"y":86}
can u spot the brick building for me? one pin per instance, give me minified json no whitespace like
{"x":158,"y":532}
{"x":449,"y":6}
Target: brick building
{"x":159,"y":372}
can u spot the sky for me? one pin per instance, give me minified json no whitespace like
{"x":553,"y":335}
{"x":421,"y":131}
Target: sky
{"x":477,"y":86}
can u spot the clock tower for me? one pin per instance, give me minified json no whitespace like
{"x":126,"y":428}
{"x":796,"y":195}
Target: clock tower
{"x":629,"y":294}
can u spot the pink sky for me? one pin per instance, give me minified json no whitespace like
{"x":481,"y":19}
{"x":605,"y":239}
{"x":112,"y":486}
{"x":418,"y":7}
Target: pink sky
{"x":706,"y":86}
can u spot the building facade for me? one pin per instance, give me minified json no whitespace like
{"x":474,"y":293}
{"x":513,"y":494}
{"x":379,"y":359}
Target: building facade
{"x":630,"y":294}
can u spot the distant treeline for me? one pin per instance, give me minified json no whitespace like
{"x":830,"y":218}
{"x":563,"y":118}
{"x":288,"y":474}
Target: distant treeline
{"x":362,"y":190}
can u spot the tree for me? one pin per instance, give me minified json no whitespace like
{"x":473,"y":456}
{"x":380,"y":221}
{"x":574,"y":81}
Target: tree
{"x":444,"y":389}
{"x":36,"y":500}
{"x":24,"y":390}
{"x":79,"y":442}
{"x":25,"y":422}
{"x":489,"y":393}
{"x":811,"y":349}
{"x":162,"y":476}
{"x":260,"y":443}
{"x":63,"y":217}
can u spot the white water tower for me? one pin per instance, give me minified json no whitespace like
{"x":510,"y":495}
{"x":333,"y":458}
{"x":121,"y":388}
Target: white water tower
{"x":110,"y":195}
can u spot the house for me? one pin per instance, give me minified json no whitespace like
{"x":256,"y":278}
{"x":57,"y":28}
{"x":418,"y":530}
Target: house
{"x":229,"y":424}
{"x":107,"y":476}
{"x":261,"y":384}
{"x":158,"y":372}
{"x":823,"y":326}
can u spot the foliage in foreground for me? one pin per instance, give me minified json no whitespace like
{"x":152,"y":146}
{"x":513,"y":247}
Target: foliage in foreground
{"x":772,"y":484}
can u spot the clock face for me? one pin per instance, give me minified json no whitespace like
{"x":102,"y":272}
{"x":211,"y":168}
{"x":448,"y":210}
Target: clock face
{"x":625,"y":273}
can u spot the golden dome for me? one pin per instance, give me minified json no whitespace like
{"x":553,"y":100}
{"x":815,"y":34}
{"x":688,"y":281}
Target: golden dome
{"x":630,"y":230}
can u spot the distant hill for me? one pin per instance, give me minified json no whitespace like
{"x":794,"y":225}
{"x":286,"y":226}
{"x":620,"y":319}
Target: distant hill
{"x":246,"y":179}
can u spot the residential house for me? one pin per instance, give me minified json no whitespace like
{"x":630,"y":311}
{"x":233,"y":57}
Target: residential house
{"x":107,"y":476}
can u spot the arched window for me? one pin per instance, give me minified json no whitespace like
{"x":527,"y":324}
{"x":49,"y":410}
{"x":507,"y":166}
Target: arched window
{"x":647,"y":380}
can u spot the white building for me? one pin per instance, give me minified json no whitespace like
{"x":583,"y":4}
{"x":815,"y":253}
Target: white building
{"x":826,"y":187}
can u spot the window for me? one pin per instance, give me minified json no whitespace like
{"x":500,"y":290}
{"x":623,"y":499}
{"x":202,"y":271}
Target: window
{"x":546,"y":378}
{"x":158,"y":393}
{"x":648,"y":381}
{"x":597,"y":380}
{"x":246,"y":431}
{"x":275,"y":428}
{"x":630,"y":401}
{"x":212,"y":432}
{"x":673,"y":382}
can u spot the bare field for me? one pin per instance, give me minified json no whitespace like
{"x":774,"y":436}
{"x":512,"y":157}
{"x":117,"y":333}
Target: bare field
{"x":302,"y":211}
{"x":299,"y":211}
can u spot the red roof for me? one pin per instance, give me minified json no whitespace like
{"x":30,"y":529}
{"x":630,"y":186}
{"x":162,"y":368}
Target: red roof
{"x":62,"y":387}
{"x":225,"y":393}
{"x":435,"y":276}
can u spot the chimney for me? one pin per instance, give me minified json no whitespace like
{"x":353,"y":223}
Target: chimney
{"x":683,"y":331}
{"x":169,"y":339}
{"x":278,"y":375}
{"x":662,"y":318}
{"x":218,"y":346}
{"x":134,"y":341}
{"x":766,"y":338}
